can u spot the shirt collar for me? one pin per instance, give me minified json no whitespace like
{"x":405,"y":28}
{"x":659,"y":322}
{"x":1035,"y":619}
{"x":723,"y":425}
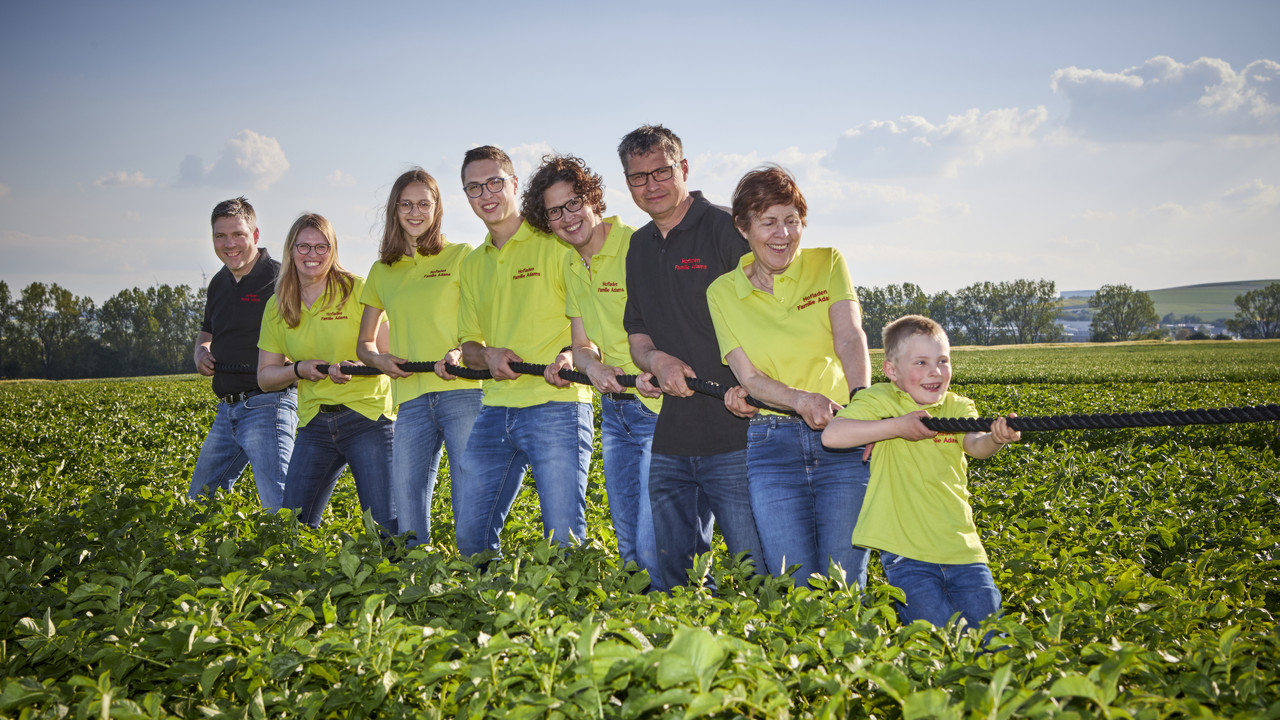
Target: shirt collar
{"x":742,"y":284}
{"x":524,"y":232}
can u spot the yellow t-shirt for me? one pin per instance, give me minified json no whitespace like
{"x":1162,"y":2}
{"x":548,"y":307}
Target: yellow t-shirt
{"x":917,"y":503}
{"x":514,"y":297}
{"x":328,"y":334}
{"x":787,"y":334}
{"x":598,"y":295}
{"x":420,"y":296}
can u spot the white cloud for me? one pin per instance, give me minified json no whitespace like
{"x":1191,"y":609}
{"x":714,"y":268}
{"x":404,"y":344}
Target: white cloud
{"x":1164,"y":99}
{"x":120,"y":178}
{"x":913,"y":146}
{"x":830,"y":196}
{"x":337,"y":178}
{"x":248,"y":159}
{"x":527,"y":158}
{"x":1256,"y":194}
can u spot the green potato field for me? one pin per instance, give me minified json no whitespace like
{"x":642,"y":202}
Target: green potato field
{"x":1140,"y":570}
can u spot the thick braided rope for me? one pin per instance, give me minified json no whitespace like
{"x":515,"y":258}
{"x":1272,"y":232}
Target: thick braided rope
{"x":1153,"y":418}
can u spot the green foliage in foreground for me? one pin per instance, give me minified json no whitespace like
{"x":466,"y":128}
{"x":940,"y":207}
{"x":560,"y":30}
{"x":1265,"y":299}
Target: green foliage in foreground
{"x":1139,"y":570}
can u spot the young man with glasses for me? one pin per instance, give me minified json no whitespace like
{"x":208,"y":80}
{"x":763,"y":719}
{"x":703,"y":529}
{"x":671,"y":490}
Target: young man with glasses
{"x":698,"y":470}
{"x":512,"y":310}
{"x":251,"y":427}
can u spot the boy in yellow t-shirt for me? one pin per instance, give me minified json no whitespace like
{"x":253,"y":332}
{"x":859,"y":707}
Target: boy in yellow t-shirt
{"x":916,"y":510}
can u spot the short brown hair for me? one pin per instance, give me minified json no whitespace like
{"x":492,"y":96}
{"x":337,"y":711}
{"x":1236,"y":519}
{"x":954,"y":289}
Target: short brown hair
{"x":897,"y":333}
{"x":647,"y":138}
{"x":560,"y":168}
{"x":762,"y":189}
{"x":235,"y":207}
{"x":487,"y":152}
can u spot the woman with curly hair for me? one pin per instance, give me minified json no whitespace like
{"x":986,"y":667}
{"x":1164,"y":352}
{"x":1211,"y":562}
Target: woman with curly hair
{"x":565,"y":198}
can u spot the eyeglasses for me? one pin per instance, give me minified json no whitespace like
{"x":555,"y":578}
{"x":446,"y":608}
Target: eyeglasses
{"x":574,"y":205}
{"x":406,"y":206}
{"x":662,"y":174}
{"x":476,"y":189}
{"x":319,"y":250}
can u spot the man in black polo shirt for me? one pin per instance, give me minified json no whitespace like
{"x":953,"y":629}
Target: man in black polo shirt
{"x":252,"y":426}
{"x":699,"y":464}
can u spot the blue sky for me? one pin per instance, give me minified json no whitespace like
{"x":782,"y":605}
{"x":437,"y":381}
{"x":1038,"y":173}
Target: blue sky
{"x":938,"y":143}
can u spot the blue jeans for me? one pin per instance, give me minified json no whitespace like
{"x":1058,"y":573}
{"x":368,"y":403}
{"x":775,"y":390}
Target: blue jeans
{"x":554,"y":441}
{"x":326,"y":445}
{"x":626,"y":434}
{"x":806,"y":498}
{"x":936,"y":592}
{"x":424,"y":425}
{"x":258,"y":432}
{"x":688,"y":493}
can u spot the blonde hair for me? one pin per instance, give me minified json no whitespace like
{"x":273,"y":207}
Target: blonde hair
{"x":338,"y":281}
{"x":897,"y":333}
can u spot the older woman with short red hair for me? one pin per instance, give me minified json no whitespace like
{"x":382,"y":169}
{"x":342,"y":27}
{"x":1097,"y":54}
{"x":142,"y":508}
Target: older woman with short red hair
{"x":789,"y":326}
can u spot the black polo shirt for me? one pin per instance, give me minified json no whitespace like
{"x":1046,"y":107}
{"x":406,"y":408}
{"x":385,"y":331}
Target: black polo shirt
{"x":667,"y":281}
{"x":233,"y":316}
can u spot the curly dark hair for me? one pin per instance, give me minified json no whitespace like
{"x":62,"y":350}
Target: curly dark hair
{"x":560,"y":168}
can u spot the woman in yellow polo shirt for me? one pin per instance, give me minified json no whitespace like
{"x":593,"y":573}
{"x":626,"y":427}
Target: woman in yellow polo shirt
{"x":414,"y":283}
{"x":789,"y":326}
{"x":313,"y":319}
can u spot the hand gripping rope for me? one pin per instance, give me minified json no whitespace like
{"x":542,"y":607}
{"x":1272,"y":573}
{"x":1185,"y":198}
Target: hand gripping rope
{"x":1157,"y":418}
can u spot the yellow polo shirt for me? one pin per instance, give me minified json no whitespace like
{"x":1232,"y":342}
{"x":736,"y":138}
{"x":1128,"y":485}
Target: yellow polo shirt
{"x":328,"y":334}
{"x":420,"y":296}
{"x":598,"y":295}
{"x":514,"y":297}
{"x":787,"y":334}
{"x":917,"y":503}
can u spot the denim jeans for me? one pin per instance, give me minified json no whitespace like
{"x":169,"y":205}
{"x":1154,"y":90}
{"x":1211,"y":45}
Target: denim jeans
{"x":554,"y":441}
{"x":806,"y":498}
{"x":257,"y":432}
{"x":424,"y":425}
{"x":326,"y":445}
{"x":936,"y":592}
{"x":626,"y":436}
{"x":688,"y":493}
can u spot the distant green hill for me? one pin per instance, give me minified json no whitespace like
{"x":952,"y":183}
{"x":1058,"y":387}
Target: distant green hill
{"x":1210,"y":301}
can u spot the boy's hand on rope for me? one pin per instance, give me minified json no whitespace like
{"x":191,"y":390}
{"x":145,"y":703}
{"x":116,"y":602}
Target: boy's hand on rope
{"x":1001,"y":433}
{"x":910,"y":428}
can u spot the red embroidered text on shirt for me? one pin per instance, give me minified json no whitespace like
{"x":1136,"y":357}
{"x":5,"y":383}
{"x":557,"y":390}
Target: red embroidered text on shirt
{"x":811,"y":298}
{"x":691,"y":264}
{"x":525,"y":273}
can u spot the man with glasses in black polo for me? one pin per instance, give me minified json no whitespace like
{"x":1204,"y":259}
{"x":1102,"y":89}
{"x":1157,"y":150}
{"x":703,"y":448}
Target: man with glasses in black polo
{"x":698,"y":470}
{"x":252,"y":427}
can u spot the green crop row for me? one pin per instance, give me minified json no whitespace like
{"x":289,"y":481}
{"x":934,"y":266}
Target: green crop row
{"x":1139,"y":570}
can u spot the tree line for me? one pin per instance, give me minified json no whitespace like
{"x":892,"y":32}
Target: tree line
{"x":48,"y":332}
